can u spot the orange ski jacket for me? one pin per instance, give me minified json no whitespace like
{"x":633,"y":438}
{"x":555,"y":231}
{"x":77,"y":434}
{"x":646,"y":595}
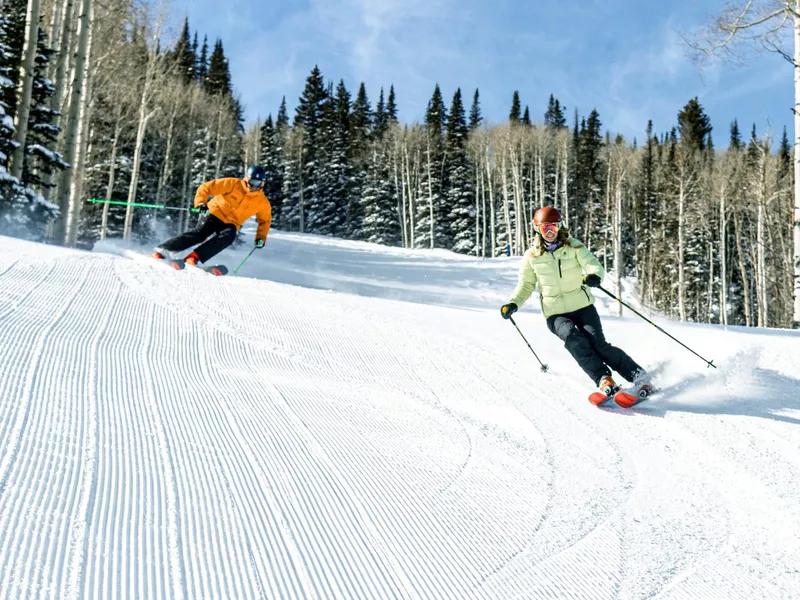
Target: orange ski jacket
{"x":234,"y":203}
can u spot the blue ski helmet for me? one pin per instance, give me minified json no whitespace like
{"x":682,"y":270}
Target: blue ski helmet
{"x":256,"y":172}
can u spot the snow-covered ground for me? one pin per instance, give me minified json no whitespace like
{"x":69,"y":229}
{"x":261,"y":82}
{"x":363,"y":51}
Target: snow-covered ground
{"x":347,"y":421}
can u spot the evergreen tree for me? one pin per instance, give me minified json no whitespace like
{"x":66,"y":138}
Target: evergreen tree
{"x":432,"y":224}
{"x":459,"y":180}
{"x":358,"y":155}
{"x":309,"y":109}
{"x":23,"y":210}
{"x":309,"y":119}
{"x":475,"y":117}
{"x":391,"y":107}
{"x":554,"y":116}
{"x":526,"y":117}
{"x":41,"y":159}
{"x":361,"y":120}
{"x":8,"y":185}
{"x":590,"y":178}
{"x":516,"y":109}
{"x":184,"y":56}
{"x":736,"y":137}
{"x":218,"y":79}
{"x":694,"y":124}
{"x":785,"y":154}
{"x":381,"y":118}
{"x":201,"y":68}
{"x":272,"y":162}
{"x":326,"y":211}
{"x":381,"y":223}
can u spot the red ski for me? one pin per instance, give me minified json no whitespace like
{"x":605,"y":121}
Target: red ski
{"x":219,"y":270}
{"x":626,"y":399}
{"x":597,"y":398}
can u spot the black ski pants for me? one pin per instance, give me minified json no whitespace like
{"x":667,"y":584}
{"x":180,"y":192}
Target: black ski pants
{"x":583,"y":337}
{"x":223,"y":236}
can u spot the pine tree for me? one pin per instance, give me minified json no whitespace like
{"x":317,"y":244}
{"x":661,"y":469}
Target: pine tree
{"x":432,"y":224}
{"x":358,"y":155}
{"x":308,"y":120}
{"x":475,"y":117}
{"x":327,"y":207}
{"x":9,"y":186}
{"x":381,"y":223}
{"x":554,"y":116}
{"x":694,"y":124}
{"x":41,"y":159}
{"x":201,"y":67}
{"x":526,"y":117}
{"x":391,"y":107}
{"x":516,"y":109}
{"x":23,"y":210}
{"x":590,"y":179}
{"x":736,"y":137}
{"x":184,"y":56}
{"x":381,"y":118}
{"x":459,"y":180}
{"x":218,"y":79}
{"x":272,"y":162}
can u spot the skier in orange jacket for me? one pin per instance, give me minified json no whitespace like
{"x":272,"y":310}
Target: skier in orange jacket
{"x":225,"y":204}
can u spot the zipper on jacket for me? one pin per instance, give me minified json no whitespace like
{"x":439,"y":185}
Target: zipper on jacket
{"x":559,"y":269}
{"x":583,"y":287}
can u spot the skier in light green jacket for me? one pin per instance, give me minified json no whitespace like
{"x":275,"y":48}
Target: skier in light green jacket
{"x":564,"y":270}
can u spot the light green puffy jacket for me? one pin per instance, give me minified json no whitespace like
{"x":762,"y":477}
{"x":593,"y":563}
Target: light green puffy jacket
{"x":560,"y":278}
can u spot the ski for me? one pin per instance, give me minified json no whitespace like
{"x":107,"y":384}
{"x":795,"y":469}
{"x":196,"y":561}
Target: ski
{"x":218,"y":270}
{"x":598,"y":398}
{"x":626,"y":399}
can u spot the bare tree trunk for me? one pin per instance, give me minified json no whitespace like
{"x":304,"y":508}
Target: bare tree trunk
{"x":796,"y":224}
{"x":302,"y":206}
{"x":112,"y":171}
{"x":564,"y":178}
{"x":167,"y":166}
{"x":710,"y":301}
{"x":401,"y":198}
{"x":490,"y":186}
{"x":84,"y":119}
{"x":761,"y":259}
{"x":77,"y":98}
{"x":681,"y":251}
{"x":430,"y":191}
{"x":218,"y":143}
{"x":144,"y":119}
{"x":618,"y":239}
{"x":723,"y":257}
{"x":519,"y":211}
{"x":737,"y":234}
{"x":506,"y":212}
{"x":26,"y":87}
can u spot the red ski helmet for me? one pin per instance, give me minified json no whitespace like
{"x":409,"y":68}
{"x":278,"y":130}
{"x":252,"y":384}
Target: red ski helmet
{"x":546,"y":214}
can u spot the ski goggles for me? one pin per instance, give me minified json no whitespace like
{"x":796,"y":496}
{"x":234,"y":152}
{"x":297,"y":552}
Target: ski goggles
{"x":255,"y":183}
{"x":546,"y":228}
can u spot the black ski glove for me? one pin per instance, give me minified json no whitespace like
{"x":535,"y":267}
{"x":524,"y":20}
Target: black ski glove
{"x":259,"y":243}
{"x":203,"y":208}
{"x":508,"y":309}
{"x":592,"y":280}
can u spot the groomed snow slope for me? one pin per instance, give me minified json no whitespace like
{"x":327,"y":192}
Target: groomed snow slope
{"x":341,"y":420}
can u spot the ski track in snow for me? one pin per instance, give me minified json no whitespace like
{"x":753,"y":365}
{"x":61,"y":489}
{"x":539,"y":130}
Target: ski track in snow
{"x":174,"y":435}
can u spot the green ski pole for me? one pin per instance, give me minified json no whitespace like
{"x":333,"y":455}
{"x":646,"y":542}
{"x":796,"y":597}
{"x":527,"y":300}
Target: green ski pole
{"x":245,"y":260}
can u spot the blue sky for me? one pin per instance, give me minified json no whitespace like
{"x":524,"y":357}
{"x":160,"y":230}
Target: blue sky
{"x":626,"y":61}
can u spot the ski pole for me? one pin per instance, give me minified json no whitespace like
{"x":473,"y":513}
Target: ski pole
{"x":544,"y":366}
{"x":245,"y":259}
{"x":709,"y":363}
{"x":140,"y":205}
